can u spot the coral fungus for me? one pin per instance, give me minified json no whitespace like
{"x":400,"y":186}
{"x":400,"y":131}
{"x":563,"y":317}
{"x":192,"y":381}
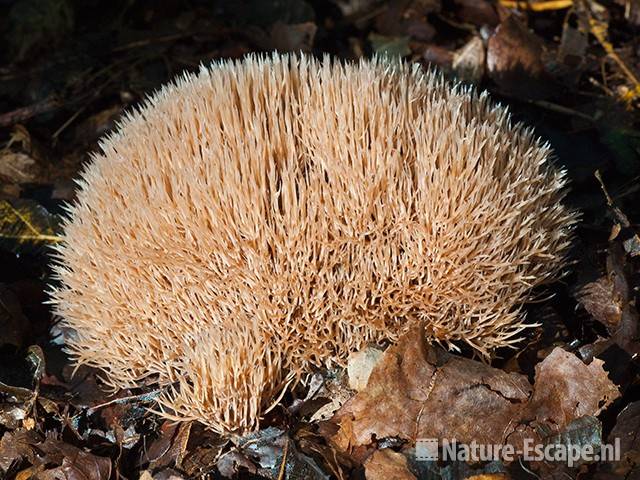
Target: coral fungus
{"x":270,"y":215}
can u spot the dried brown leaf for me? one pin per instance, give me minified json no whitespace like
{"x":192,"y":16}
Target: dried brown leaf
{"x":385,"y":464}
{"x":599,"y":299}
{"x":567,"y":389}
{"x":468,"y":61}
{"x":73,"y":463}
{"x":419,"y":391}
{"x":514,"y":59}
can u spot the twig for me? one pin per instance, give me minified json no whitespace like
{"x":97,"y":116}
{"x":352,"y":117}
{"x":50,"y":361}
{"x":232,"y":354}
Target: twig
{"x":68,"y":121}
{"x":561,"y":109}
{"x":144,"y":397}
{"x":620,"y":216}
{"x":25,"y":113}
{"x":283,"y":465}
{"x":149,"y":41}
{"x":537,"y":6}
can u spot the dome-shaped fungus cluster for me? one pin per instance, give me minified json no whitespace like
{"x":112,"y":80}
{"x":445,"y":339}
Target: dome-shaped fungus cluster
{"x":270,"y":215}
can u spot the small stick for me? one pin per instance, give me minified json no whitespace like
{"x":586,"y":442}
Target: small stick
{"x":25,"y":113}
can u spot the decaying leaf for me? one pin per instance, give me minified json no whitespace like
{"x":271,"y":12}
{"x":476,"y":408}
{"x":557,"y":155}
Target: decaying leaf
{"x":477,"y":12}
{"x":412,"y":379}
{"x":50,"y":458}
{"x":359,"y":367}
{"x":610,"y":299}
{"x":385,"y":464}
{"x":272,"y":454}
{"x":17,"y":167}
{"x":71,"y":462}
{"x":419,"y":391}
{"x":514,"y":59}
{"x":468,"y":61}
{"x":566,"y":389}
{"x":313,"y":444}
{"x":169,"y":448}
{"x":19,"y":386}
{"x":15,"y":446}
{"x":572,"y":49}
{"x":599,"y":299}
{"x":627,"y":432}
{"x":407,"y":18}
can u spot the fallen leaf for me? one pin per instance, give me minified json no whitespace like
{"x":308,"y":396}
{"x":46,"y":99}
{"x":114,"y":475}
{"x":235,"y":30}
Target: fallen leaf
{"x":599,"y":299}
{"x":567,"y":389}
{"x":14,"y":446}
{"x":572,"y":49}
{"x":385,"y":464}
{"x":610,"y":300}
{"x":514,"y":60}
{"x":169,"y":448}
{"x":583,"y":432}
{"x":468,"y":61}
{"x":407,"y":18}
{"x":337,"y":392}
{"x":359,"y":367}
{"x":19,"y":385}
{"x":277,"y":456}
{"x":17,"y":167}
{"x":26,"y":225}
{"x":420,"y":391}
{"x":313,"y":444}
{"x":627,"y":432}
{"x":440,"y":56}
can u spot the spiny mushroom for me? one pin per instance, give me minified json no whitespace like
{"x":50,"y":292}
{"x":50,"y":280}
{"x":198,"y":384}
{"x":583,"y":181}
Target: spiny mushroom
{"x":267,"y":216}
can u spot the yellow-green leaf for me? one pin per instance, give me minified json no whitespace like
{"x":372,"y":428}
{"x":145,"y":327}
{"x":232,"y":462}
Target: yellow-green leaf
{"x":24,"y":224}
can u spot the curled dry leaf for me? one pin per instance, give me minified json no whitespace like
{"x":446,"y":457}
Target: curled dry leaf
{"x":419,"y":391}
